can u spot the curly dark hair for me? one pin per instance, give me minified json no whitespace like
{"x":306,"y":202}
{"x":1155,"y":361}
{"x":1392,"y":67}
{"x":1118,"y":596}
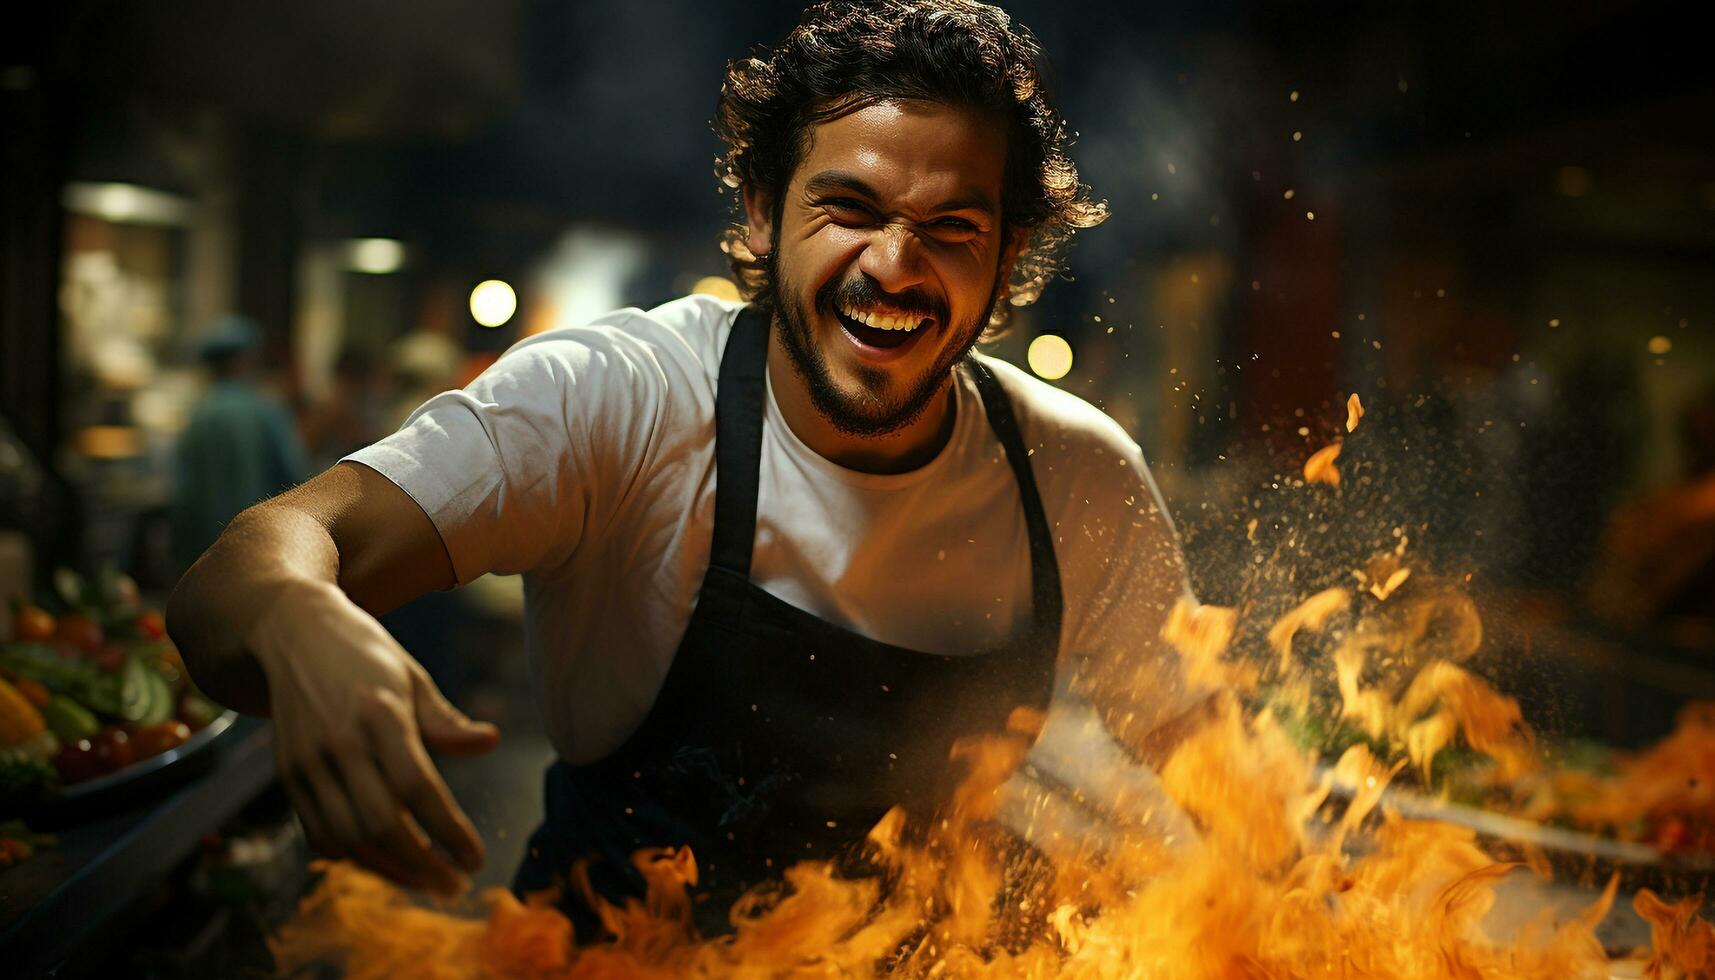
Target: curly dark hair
{"x":847,"y":54}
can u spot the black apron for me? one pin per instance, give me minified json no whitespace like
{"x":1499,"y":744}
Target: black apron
{"x":777,"y":736}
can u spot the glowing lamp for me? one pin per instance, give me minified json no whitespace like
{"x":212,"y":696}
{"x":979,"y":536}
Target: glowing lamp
{"x":1050,"y":357}
{"x":492,"y":303}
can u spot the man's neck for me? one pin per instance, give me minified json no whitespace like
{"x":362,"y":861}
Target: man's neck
{"x":900,"y":451}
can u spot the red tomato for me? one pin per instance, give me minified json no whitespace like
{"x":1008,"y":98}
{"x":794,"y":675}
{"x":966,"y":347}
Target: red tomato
{"x":152,"y":740}
{"x":76,"y":762}
{"x":81,"y":632}
{"x":111,"y":657}
{"x":33,"y":625}
{"x":150,"y":624}
{"x":112,"y":748}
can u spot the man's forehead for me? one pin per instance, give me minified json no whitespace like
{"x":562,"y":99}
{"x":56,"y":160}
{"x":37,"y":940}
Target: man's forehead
{"x":929,"y":152}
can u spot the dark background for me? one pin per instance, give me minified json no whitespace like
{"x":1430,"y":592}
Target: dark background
{"x":1510,"y":256}
{"x":1495,"y":222}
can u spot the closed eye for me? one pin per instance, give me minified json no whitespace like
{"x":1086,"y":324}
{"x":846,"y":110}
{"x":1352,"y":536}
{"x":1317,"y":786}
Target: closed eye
{"x":954,"y":230}
{"x":847,"y":211}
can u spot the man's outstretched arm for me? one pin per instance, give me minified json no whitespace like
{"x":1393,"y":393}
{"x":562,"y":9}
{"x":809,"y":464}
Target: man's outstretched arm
{"x":277,"y":618}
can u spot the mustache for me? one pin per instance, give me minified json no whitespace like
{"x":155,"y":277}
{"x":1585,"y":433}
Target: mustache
{"x":863,"y":293}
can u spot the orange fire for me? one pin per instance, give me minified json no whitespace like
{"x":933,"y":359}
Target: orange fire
{"x":1278,"y":885}
{"x":1280,"y":882}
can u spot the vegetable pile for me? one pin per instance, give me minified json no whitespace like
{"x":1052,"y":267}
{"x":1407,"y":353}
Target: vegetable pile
{"x":89,"y":691}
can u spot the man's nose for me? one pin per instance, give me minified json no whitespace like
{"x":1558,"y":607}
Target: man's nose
{"x":894,"y":259}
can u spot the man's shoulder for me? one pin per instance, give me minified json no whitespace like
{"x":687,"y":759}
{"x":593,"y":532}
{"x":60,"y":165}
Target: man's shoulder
{"x":689,"y":331}
{"x":1057,"y":422}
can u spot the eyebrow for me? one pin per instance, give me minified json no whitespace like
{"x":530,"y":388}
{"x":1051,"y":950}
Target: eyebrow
{"x":836,"y":181}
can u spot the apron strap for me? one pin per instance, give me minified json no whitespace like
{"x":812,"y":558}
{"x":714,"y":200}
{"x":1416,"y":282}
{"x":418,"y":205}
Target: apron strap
{"x":1047,"y":604}
{"x":740,"y":401}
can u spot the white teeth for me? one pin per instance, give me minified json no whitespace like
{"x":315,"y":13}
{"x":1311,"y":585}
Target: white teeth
{"x":882,"y":321}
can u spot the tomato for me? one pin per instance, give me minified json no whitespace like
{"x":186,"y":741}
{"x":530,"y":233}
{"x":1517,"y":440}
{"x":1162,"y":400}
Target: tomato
{"x":112,"y":749}
{"x":76,"y":762}
{"x":81,"y":632}
{"x":152,"y":740}
{"x":150,"y":624}
{"x":33,"y":625}
{"x":111,"y":657}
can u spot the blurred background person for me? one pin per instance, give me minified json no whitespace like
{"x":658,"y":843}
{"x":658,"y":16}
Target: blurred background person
{"x":239,"y":447}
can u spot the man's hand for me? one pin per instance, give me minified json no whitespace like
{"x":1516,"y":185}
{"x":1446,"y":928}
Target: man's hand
{"x":353,"y":716}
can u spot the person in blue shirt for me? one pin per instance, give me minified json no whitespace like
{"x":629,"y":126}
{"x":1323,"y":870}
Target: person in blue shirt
{"x":240,"y":446}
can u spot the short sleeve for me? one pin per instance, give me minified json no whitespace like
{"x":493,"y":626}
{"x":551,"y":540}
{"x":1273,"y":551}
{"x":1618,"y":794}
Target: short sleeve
{"x":513,"y":468}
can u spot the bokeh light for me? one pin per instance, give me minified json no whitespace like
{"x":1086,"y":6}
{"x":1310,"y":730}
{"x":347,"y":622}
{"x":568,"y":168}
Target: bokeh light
{"x":375,"y":256}
{"x":1050,"y":357}
{"x":493,"y":302}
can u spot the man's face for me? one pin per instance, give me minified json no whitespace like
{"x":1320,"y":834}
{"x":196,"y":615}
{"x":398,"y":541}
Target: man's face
{"x":888,"y":257}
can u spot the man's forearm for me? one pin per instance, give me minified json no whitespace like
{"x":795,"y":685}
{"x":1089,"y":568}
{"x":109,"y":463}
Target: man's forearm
{"x":267,"y":551}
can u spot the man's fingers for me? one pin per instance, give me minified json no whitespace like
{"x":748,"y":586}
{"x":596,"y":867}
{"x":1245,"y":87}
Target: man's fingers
{"x":337,"y":823}
{"x":415,"y":781}
{"x":444,"y":727}
{"x":304,"y":804}
{"x":387,"y":836}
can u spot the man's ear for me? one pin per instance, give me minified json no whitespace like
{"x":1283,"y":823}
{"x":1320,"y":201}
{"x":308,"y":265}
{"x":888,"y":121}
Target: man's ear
{"x":758,"y":221}
{"x":1016,"y":240}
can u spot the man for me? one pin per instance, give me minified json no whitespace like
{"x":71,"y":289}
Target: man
{"x":239,"y":447}
{"x":777,"y":555}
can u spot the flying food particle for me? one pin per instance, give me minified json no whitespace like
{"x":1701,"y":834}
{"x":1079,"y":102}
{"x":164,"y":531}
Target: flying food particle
{"x":1320,"y":468}
{"x":1381,"y":590}
{"x":1354,"y":412}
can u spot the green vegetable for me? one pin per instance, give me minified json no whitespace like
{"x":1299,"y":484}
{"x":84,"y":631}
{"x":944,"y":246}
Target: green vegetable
{"x":79,"y":680}
{"x":197,"y":711}
{"x":69,"y":720}
{"x":161,"y":697}
{"x":136,"y":695}
{"x":25,"y":780}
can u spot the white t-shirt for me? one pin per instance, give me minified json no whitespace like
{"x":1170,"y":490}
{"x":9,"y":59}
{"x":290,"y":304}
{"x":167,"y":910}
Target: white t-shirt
{"x":584,"y":459}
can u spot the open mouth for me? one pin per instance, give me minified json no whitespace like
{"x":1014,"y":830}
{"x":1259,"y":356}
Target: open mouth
{"x":881,"y":330}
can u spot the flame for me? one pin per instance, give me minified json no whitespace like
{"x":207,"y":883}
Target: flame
{"x":1279,"y":883}
{"x":1280,"y":880}
{"x":1682,"y":945}
{"x":1260,"y":896}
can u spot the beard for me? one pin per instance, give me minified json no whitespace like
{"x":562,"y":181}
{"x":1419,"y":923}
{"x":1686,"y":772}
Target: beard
{"x":875,"y":407}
